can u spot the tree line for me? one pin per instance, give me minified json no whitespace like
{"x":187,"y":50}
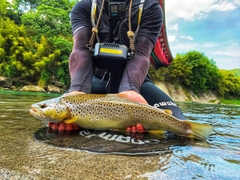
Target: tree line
{"x":36,"y":40}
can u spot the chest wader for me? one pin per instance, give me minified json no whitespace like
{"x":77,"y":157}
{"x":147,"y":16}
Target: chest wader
{"x":111,"y":58}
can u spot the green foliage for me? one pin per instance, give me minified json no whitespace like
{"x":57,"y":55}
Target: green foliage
{"x":13,"y":13}
{"x":229,"y":85}
{"x":194,"y":71}
{"x":180,"y":71}
{"x":3,"y":6}
{"x":157,"y":74}
{"x":37,"y":48}
{"x":49,"y":19}
{"x":44,"y":78}
{"x":205,"y":72}
{"x":15,"y":45}
{"x":236,"y":72}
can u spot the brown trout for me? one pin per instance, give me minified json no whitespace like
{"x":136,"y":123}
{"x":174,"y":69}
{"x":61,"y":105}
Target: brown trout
{"x":114,"y":112}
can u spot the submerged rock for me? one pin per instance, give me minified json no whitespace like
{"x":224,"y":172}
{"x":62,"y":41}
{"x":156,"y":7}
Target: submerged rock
{"x":5,"y":82}
{"x":32,"y":88}
{"x":59,"y":84}
{"x":53,"y":89}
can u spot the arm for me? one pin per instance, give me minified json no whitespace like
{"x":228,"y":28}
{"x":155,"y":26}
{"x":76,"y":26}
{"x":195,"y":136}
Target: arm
{"x":138,"y":66}
{"x":80,"y":61}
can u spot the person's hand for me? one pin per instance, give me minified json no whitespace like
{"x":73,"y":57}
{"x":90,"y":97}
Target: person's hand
{"x":73,"y":93}
{"x":134,"y":96}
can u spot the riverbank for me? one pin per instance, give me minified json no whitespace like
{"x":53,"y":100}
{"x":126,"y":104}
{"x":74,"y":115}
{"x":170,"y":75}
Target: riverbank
{"x":176,"y":95}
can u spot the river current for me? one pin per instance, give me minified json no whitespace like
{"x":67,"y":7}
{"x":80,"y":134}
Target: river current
{"x":22,"y":157}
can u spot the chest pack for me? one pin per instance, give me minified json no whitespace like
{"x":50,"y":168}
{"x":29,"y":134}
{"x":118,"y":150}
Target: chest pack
{"x":157,"y":57}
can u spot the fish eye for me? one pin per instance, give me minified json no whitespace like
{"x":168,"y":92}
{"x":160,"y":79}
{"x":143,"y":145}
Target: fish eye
{"x":43,"y":106}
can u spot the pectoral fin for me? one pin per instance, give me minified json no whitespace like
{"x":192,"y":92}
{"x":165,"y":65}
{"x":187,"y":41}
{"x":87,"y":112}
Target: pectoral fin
{"x":70,"y":120}
{"x":123,"y":95}
{"x":160,"y":134}
{"x":157,"y":131}
{"x":168,"y":111}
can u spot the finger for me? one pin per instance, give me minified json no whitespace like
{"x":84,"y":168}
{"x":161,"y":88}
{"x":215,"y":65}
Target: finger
{"x":62,"y":126}
{"x":139,"y":127}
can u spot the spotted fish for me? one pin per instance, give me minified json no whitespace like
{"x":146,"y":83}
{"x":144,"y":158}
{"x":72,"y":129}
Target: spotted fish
{"x":114,"y":112}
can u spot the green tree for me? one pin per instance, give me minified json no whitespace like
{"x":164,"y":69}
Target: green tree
{"x":25,"y":5}
{"x":22,"y":58}
{"x":45,"y":56}
{"x":194,"y":71}
{"x":180,"y":71}
{"x":50,"y":19}
{"x":205,"y":72}
{"x":65,"y":47}
{"x":157,"y":74}
{"x":229,"y":84}
{"x":3,"y":6}
{"x":47,"y":61}
{"x":14,"y":44}
{"x":236,"y":72}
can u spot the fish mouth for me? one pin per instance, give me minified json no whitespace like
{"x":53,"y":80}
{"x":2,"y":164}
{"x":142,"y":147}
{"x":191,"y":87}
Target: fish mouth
{"x":36,"y":113}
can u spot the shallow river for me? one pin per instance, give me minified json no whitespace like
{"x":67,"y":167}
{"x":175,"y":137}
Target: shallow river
{"x":23,"y":157}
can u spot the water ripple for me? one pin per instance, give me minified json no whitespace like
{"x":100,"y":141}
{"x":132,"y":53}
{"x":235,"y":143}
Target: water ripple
{"x":216,"y":158}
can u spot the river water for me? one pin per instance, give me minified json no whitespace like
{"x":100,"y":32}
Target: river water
{"x":22,"y":157}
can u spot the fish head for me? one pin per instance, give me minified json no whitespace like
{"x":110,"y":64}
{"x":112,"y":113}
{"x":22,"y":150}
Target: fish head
{"x":53,"y":110}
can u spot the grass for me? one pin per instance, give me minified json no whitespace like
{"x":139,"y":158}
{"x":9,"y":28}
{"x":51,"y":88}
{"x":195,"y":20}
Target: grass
{"x":29,"y":93}
{"x":230,"y":101}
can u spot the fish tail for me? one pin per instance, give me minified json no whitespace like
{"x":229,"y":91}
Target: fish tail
{"x":197,"y":130}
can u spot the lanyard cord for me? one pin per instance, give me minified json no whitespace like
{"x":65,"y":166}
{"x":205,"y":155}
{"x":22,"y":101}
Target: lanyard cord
{"x":130,"y":33}
{"x":95,"y":29}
